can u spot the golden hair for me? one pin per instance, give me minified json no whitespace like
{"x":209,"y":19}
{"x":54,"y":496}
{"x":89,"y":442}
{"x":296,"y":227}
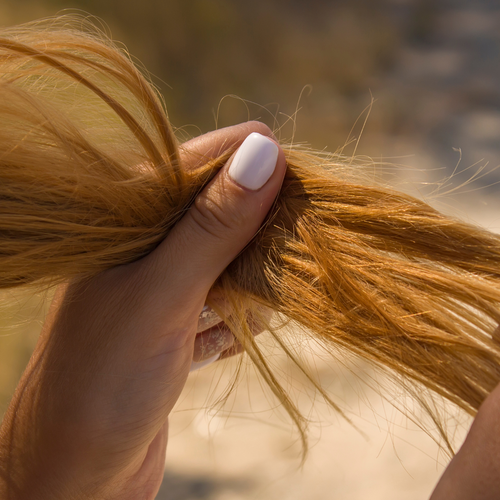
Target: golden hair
{"x":91,"y":178}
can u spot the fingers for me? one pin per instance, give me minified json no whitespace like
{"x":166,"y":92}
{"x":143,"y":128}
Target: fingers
{"x":198,"y":151}
{"x":116,"y":349}
{"x":257,"y":324}
{"x":224,"y":217}
{"x":237,"y":348}
{"x":218,"y":342}
{"x":211,"y":342}
{"x":207,"y":319}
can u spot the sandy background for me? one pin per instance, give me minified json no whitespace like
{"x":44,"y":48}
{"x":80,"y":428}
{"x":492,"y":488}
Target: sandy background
{"x":251,"y":451}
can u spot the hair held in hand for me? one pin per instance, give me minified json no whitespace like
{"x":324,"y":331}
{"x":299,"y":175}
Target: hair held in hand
{"x":91,"y":178}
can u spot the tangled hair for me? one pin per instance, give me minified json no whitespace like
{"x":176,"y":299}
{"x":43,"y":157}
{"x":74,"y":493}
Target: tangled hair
{"x":91,"y":178}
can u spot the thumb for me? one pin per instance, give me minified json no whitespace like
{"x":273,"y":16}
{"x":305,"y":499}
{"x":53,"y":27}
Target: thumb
{"x":225,"y":216}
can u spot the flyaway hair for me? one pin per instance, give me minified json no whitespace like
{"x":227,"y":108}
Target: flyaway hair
{"x":91,"y":178}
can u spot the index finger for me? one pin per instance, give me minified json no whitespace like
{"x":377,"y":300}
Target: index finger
{"x":198,"y":151}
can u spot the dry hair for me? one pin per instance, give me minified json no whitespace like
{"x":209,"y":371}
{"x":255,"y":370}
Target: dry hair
{"x":90,"y":178}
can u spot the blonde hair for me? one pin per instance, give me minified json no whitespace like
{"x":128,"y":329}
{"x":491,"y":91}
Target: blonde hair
{"x":91,"y":178}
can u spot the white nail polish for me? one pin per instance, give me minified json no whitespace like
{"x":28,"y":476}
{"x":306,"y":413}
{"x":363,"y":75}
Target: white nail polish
{"x":254,"y":161}
{"x":196,"y":365}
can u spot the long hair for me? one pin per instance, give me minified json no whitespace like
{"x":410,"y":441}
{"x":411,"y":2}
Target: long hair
{"x":91,"y":178}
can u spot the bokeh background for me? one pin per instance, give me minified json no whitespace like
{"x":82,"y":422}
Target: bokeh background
{"x":410,"y":83}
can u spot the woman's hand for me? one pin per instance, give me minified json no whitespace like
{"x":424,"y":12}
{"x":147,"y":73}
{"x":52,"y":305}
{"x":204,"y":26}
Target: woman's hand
{"x":474,"y":472}
{"x":89,"y":417}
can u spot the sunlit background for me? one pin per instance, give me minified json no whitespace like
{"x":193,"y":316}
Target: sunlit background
{"x":411,"y":83}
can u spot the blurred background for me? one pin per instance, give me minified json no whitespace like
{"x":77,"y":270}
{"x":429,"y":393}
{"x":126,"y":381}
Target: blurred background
{"x":411,"y":83}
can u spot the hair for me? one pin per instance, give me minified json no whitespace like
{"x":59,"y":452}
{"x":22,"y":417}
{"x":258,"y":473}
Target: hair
{"x":91,"y":178}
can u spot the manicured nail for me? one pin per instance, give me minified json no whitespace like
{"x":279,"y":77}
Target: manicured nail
{"x":196,"y":365}
{"x":207,"y":319}
{"x":254,"y":162}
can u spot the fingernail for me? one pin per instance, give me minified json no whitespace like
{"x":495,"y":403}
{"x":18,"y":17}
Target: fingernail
{"x":254,"y":162}
{"x":212,"y":342}
{"x":207,"y":319}
{"x":196,"y":365}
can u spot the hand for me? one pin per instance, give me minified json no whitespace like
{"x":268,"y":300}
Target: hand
{"x":89,"y":416}
{"x":474,"y":472}
{"x":215,"y":340}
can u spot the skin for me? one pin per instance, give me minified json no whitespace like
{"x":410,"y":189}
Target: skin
{"x":219,"y":338}
{"x":89,"y":418}
{"x":474,"y":472}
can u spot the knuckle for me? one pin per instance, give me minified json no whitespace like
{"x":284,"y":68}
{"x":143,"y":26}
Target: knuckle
{"x":216,"y":218}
